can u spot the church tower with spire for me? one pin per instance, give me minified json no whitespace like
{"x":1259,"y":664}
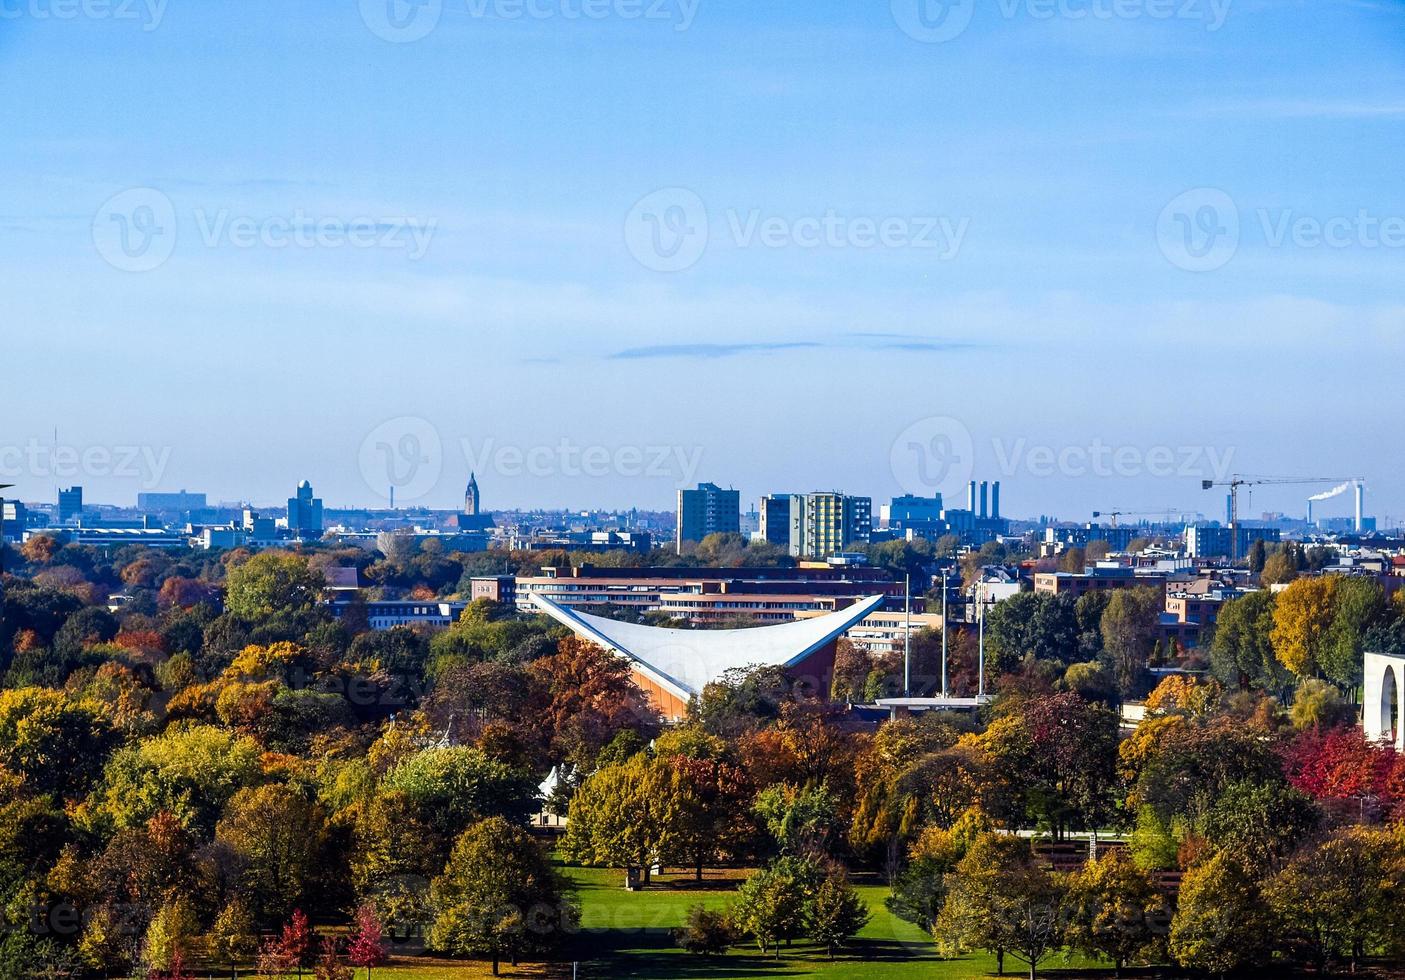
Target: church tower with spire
{"x":470,"y":497}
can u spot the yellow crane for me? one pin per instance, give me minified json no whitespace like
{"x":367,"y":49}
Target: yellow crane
{"x":1236,"y":481}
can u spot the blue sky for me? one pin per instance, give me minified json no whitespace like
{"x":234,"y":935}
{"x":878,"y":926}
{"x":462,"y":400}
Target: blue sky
{"x":777,"y":246}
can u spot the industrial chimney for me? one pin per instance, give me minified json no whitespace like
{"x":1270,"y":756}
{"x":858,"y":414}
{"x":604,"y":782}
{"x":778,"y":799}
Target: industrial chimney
{"x":971,"y":498}
{"x":995,"y":500}
{"x":1360,"y":504}
{"x":985,"y":496}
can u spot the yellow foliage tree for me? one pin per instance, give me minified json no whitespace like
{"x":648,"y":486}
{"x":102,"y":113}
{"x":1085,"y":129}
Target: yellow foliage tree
{"x":1302,"y":617}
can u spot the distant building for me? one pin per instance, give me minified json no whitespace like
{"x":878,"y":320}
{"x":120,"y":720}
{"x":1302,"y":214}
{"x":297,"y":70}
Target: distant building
{"x":1218,"y":541}
{"x":70,"y":505}
{"x":823,"y":524}
{"x":14,"y":517}
{"x":305,"y":513}
{"x":707,"y":510}
{"x":473,"y":518}
{"x":1096,"y":579}
{"x":908,"y":509}
{"x":774,"y":512}
{"x":497,"y":588}
{"x":182,"y":501}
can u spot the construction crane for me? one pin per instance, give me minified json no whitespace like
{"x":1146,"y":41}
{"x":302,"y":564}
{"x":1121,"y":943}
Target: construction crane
{"x":1236,"y":481}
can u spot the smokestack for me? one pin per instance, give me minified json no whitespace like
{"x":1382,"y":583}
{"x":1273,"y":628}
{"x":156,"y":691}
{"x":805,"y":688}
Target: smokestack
{"x":1360,"y":504}
{"x":1309,"y":512}
{"x":985,"y":495}
{"x":971,"y":498}
{"x":995,"y":500}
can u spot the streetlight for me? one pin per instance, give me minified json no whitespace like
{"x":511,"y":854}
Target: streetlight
{"x":944,"y":631}
{"x":980,"y":614}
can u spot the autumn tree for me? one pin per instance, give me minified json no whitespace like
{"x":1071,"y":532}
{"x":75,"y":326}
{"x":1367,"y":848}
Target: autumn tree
{"x":279,"y":834}
{"x":1129,"y":629}
{"x":1221,"y":921}
{"x":1302,"y":618}
{"x":499,"y":897}
{"x":627,"y":816}
{"x":367,"y":947}
{"x":836,"y":912}
{"x":1115,"y":911}
{"x":272,"y":584}
{"x":771,"y":904}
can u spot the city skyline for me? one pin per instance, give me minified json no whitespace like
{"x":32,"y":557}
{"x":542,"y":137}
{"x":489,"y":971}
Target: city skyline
{"x":999,"y":227}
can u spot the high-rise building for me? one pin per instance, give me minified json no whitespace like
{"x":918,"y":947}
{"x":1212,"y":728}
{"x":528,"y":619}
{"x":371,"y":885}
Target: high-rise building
{"x":774,"y":510}
{"x":70,"y":504}
{"x":707,"y":510}
{"x":305,"y":513}
{"x":825,"y":524}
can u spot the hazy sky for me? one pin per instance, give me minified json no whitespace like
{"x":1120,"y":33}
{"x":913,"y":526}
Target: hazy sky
{"x":1096,"y":249}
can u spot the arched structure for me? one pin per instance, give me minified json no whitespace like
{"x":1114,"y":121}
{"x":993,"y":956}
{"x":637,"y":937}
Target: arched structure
{"x":1381,"y":718}
{"x":673,"y":665}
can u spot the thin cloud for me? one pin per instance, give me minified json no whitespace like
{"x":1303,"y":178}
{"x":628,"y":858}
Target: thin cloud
{"x":707,"y":351}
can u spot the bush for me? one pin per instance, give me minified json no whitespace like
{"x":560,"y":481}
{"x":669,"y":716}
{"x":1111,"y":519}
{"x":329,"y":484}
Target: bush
{"x":706,"y":933}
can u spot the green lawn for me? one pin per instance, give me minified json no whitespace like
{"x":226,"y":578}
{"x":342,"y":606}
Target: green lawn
{"x":626,"y":934}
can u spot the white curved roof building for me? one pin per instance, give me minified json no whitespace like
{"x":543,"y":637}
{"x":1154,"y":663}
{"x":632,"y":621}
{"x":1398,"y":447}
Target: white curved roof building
{"x":672,"y":665}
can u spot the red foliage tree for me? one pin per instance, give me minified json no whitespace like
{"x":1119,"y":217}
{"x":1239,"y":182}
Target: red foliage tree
{"x":367,"y":947}
{"x":1341,"y":765}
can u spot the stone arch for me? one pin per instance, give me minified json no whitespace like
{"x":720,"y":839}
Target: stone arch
{"x":1390,"y":705}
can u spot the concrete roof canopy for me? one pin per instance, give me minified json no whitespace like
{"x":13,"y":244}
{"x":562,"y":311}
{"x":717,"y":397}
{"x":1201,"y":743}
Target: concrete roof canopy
{"x":684,"y":661}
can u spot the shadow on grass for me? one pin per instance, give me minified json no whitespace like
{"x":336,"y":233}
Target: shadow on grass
{"x":651,"y":954}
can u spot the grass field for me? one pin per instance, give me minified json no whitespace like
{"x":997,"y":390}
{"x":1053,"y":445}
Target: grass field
{"x":628,"y":935}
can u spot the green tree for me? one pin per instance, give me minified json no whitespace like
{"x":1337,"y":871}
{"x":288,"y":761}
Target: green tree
{"x":499,"y":897}
{"x":55,"y":743}
{"x":836,"y":913}
{"x":771,"y":904}
{"x":188,"y":772}
{"x":279,"y":834}
{"x":1221,"y":923}
{"x":170,"y":933}
{"x":451,"y":787}
{"x":1115,"y":911}
{"x":1130,"y":626}
{"x":272,"y":584}
{"x":1360,"y":606}
{"x":1339,"y":899}
{"x":233,"y":936}
{"x":1000,"y":900}
{"x":1241,"y":653}
{"x":625,"y":816}
{"x":705,"y":932}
